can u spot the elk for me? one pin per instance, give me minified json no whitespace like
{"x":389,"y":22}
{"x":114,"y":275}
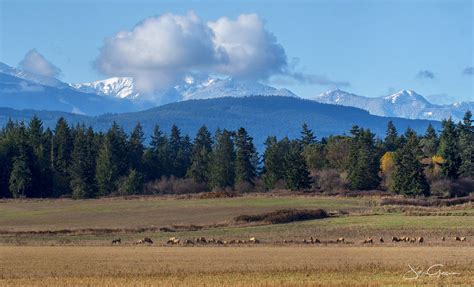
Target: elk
{"x":254,"y":240}
{"x":368,"y":240}
{"x":116,"y":241}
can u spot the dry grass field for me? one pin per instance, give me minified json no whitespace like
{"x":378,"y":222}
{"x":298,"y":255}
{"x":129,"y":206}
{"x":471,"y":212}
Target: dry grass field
{"x":253,"y":266}
{"x":68,"y":243}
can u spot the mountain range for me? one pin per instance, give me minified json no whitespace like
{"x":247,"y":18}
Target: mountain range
{"x":405,"y":104}
{"x":23,"y":90}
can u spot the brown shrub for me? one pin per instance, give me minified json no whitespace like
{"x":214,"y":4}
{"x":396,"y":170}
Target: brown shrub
{"x":284,"y":216}
{"x":426,"y":202}
{"x":329,"y":180}
{"x":172,"y":185}
{"x":219,"y":193}
{"x":448,"y":188}
{"x":244,"y":187}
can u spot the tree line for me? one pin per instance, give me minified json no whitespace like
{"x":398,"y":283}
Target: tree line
{"x":76,"y":161}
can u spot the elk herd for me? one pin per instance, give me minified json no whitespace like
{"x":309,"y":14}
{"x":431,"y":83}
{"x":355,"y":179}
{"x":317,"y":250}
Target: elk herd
{"x":341,"y":240}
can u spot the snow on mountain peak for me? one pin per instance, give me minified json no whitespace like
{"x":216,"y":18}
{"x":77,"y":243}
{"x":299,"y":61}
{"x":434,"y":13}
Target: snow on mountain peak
{"x":120,"y":87}
{"x":406,"y":96}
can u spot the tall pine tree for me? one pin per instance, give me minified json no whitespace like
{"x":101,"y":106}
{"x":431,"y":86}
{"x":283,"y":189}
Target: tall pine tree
{"x":201,"y":156}
{"x":223,"y":156}
{"x":246,"y":158}
{"x":408,"y":177}
{"x":466,"y":144}
{"x":449,"y":150}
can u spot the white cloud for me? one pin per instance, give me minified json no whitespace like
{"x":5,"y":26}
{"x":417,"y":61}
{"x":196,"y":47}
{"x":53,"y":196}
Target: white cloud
{"x":251,"y":51}
{"x":160,"y":50}
{"x":36,"y":63}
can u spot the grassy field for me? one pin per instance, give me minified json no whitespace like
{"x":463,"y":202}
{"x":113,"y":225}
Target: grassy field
{"x":254,"y":266}
{"x":68,"y":243}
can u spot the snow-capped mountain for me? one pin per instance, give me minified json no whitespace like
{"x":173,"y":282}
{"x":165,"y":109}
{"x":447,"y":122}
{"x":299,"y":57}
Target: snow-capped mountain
{"x":404,"y":104}
{"x":22,"y":90}
{"x":118,"y":87}
{"x":42,"y":80}
{"x":192,"y":87}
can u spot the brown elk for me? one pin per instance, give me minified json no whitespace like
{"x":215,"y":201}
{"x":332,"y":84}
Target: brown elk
{"x":116,"y":241}
{"x":340,"y":240}
{"x":147,"y":240}
{"x":369,"y":240}
{"x":254,"y":240}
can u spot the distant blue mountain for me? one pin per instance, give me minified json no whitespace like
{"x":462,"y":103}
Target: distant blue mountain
{"x":20,"y":93}
{"x":260,"y":115}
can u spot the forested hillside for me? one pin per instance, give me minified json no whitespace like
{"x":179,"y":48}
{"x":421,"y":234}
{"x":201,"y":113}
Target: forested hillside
{"x":80,"y":162}
{"x":260,"y":115}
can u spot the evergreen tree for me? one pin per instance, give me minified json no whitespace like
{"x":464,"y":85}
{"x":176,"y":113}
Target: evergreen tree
{"x":296,"y":172}
{"x":133,"y":183}
{"x":274,"y":161}
{"x":83,"y":165}
{"x":430,"y":142}
{"x":246,"y":158}
{"x":156,"y":159}
{"x":391,"y":137}
{"x":364,"y":164}
{"x":201,"y":156}
{"x":307,"y":136}
{"x":20,"y":177}
{"x":136,"y":147}
{"x":315,"y":156}
{"x":119,"y":149}
{"x":61,"y":150}
{"x":466,"y":144}
{"x":449,"y":150}
{"x":39,"y":160}
{"x":222,"y":172}
{"x":106,"y":170}
{"x":174,"y":149}
{"x":408,"y":177}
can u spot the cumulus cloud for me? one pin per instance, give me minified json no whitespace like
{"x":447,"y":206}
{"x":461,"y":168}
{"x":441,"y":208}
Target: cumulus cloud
{"x":36,"y":63}
{"x":425,"y":74}
{"x":468,"y":71}
{"x":159,"y":51}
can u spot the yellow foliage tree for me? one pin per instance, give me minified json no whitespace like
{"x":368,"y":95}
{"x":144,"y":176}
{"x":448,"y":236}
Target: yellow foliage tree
{"x":387,"y":162}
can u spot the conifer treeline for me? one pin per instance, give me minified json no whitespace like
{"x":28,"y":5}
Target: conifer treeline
{"x":82,"y":163}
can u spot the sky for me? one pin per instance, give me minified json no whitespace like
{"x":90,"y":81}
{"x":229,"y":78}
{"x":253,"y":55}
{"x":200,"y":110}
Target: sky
{"x":371,"y":48}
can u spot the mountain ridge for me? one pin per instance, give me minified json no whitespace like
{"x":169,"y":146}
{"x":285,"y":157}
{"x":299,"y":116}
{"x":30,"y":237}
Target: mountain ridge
{"x":404,"y":103}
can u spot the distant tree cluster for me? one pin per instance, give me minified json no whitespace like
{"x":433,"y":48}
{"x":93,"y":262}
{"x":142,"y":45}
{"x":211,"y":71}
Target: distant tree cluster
{"x":79,"y":162}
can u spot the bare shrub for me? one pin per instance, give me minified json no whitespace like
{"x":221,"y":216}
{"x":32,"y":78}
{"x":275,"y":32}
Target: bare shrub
{"x":244,"y":187}
{"x":329,"y":180}
{"x":427,"y":202}
{"x":448,"y":188}
{"x":172,"y":185}
{"x":219,"y":193}
{"x":442,"y":188}
{"x":284,"y":216}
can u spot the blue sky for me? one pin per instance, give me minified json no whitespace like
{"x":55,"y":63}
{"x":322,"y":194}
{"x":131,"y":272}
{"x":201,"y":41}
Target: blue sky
{"x":378,"y":47}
